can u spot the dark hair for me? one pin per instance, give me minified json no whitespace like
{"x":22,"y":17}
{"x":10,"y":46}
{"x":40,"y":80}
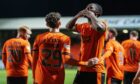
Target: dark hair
{"x":113,"y":31}
{"x":134,"y":33}
{"x":98,"y":8}
{"x":52,"y":19}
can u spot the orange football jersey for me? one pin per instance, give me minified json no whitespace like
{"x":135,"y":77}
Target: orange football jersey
{"x":115,"y":61}
{"x":51,"y":47}
{"x":16,"y":56}
{"x":92,"y":43}
{"x":132,"y":55}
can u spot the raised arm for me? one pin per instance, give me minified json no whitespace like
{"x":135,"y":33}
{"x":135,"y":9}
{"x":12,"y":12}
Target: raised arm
{"x":71,"y":24}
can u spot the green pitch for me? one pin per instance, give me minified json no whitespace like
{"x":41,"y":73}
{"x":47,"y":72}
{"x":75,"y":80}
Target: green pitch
{"x":70,"y":74}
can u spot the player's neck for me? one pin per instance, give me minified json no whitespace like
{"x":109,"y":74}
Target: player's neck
{"x":132,"y":38}
{"x":113,"y":38}
{"x":21,"y":37}
{"x":54,"y":30}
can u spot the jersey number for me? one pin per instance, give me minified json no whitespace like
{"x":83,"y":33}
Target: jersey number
{"x":132,"y":54}
{"x":15,"y":55}
{"x":55,"y":55}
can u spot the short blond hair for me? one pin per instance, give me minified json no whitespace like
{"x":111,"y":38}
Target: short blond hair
{"x":25,"y":29}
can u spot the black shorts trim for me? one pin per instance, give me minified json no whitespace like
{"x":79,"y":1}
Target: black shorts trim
{"x":88,"y":78}
{"x":128,"y":77}
{"x":17,"y":80}
{"x":113,"y":81}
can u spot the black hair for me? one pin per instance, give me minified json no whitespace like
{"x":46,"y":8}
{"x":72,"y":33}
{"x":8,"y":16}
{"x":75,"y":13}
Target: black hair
{"x":52,"y":19}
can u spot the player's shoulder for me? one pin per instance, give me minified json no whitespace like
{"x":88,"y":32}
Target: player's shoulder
{"x":41,"y":36}
{"x":64,"y":35}
{"x":137,"y":42}
{"x":126,"y":41}
{"x":10,"y":40}
{"x":110,"y":42}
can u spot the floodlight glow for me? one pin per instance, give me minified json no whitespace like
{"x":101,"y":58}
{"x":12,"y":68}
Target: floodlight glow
{"x":75,"y":32}
{"x":125,"y":31}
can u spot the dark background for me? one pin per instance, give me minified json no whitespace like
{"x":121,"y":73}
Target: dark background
{"x":39,"y":8}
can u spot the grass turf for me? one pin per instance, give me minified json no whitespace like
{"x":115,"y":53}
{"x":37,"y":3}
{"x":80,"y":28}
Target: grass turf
{"x":70,"y":74}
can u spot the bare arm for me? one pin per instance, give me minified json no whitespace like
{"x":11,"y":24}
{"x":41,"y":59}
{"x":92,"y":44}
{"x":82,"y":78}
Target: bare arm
{"x":74,"y":62}
{"x":4,"y":57}
{"x":106,"y":55}
{"x":108,"y":51}
{"x":70,"y":25}
{"x":68,"y":57}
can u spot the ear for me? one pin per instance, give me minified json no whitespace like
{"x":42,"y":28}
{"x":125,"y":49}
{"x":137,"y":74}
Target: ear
{"x":46,"y":24}
{"x":58,"y":24}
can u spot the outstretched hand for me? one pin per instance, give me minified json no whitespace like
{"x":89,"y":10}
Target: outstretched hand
{"x":81,"y":13}
{"x":92,"y":61}
{"x":85,"y":13}
{"x":89,"y":14}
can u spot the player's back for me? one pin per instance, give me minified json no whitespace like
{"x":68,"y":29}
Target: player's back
{"x":16,"y":62}
{"x":132,"y":54}
{"x":115,"y":61}
{"x":51,"y":61}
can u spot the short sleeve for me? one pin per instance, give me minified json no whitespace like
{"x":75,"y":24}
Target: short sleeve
{"x":27,"y":48}
{"x":36,"y":44}
{"x":109,"y":47}
{"x":66,"y":45}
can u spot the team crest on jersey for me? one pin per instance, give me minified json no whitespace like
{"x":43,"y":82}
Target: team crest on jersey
{"x":66,"y":46}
